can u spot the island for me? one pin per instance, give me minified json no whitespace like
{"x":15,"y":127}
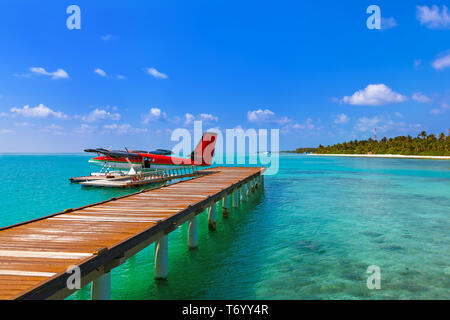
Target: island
{"x":424,"y":145}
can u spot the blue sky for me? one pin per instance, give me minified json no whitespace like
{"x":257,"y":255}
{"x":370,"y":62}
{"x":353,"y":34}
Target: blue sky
{"x":137,"y":70}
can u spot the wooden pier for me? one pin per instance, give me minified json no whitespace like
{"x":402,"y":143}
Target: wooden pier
{"x":42,"y":258}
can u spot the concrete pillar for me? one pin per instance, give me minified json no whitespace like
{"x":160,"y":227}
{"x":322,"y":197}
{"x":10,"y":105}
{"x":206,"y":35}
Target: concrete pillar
{"x":162,"y":258}
{"x":225,"y":207}
{"x":101,"y":287}
{"x":192,"y":233}
{"x":212,"y":217}
{"x":235,"y":198}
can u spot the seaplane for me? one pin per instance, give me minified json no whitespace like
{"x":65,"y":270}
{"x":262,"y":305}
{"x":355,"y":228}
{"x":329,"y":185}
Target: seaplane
{"x":159,"y":159}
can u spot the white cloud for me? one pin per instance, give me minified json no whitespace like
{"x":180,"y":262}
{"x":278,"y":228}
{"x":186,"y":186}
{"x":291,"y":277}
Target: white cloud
{"x":388,"y":23}
{"x":374,"y":95}
{"x":153,"y":115}
{"x":3,"y":114}
{"x":432,"y":17}
{"x":40,"y":111}
{"x":22,"y":124}
{"x":205,"y":117}
{"x":100,"y":72}
{"x":266,"y":116}
{"x":417,"y":63}
{"x":6,"y":131}
{"x":121,"y":77}
{"x":155,"y":73}
{"x":85,"y":129}
{"x":308,"y":125}
{"x":208,"y":117}
{"x":437,"y":111}
{"x":383,"y":124}
{"x":444,"y":107}
{"x":189,"y":118}
{"x":399,"y":115}
{"x":122,"y":129}
{"x":118,"y":129}
{"x":58,"y":74}
{"x":260,"y":115}
{"x":441,"y":63}
{"x":100,"y":114}
{"x":137,"y":130}
{"x":107,"y":37}
{"x":365,"y":124}
{"x":53,"y":129}
{"x":419,"y":97}
{"x":341,"y":119}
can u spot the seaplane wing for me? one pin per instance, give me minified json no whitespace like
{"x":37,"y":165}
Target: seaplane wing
{"x":158,"y":159}
{"x":116,"y":154}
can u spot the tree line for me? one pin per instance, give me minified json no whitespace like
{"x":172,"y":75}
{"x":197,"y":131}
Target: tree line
{"x":424,"y":144}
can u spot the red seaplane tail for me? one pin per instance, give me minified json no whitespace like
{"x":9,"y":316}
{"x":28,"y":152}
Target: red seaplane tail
{"x":204,"y":152}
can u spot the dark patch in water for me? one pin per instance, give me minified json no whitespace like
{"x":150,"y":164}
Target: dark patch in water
{"x":412,"y":287}
{"x":393,"y":247}
{"x":411,"y":273}
{"x":352,"y":275}
{"x":307,"y":245}
{"x":372,"y":234}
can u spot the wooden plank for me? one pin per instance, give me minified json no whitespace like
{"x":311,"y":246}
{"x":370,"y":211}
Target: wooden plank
{"x":48,"y":254}
{"x":26,"y":273}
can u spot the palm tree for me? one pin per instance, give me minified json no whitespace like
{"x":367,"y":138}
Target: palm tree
{"x":423,"y":134}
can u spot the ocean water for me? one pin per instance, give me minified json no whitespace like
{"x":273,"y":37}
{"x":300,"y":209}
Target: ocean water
{"x":312,"y":234}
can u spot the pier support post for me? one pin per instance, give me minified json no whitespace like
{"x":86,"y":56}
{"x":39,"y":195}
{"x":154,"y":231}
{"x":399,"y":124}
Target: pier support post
{"x":244,"y":192}
{"x":212,"y":217}
{"x":235,"y":198}
{"x":225,"y":207}
{"x":192,"y":233}
{"x":101,"y":287}
{"x":162,"y":257}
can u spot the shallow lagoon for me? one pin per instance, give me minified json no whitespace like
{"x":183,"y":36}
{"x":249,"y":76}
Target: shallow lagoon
{"x":320,"y":223}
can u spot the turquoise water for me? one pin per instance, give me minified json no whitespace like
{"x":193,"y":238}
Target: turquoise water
{"x":312,"y":234}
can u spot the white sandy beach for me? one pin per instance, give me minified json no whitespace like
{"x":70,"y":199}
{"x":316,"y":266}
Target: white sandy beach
{"x":383,"y":156}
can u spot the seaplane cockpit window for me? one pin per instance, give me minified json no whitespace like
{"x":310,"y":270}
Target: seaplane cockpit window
{"x":146,"y":163}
